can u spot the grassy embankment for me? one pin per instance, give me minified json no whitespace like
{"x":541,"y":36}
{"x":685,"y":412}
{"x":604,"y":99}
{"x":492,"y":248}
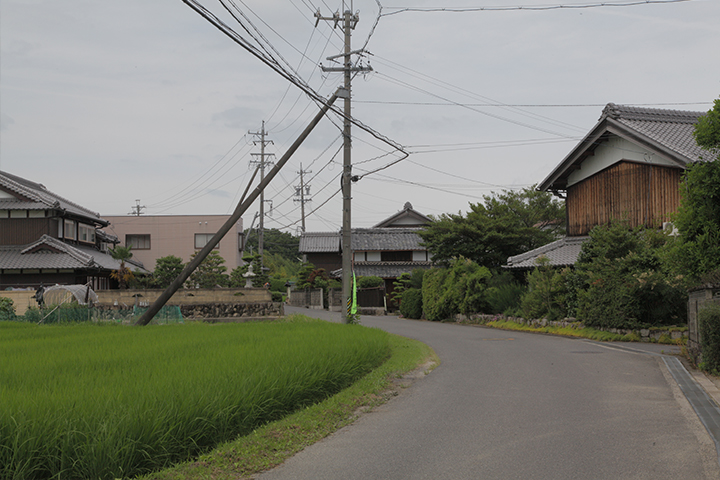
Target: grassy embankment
{"x":87,"y":401}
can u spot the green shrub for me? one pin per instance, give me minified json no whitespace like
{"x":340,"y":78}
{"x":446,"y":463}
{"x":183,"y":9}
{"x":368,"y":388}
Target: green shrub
{"x":546,"y":293}
{"x":370,"y":282}
{"x":505,"y":297}
{"x":7,"y":309}
{"x":411,"y":305}
{"x":709,"y":328}
{"x":458,"y":289}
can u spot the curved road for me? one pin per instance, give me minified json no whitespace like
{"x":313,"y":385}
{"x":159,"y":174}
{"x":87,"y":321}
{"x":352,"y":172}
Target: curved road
{"x":511,"y":405}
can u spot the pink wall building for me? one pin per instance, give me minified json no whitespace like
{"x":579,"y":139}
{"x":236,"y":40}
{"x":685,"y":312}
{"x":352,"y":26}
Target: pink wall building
{"x":156,"y":236}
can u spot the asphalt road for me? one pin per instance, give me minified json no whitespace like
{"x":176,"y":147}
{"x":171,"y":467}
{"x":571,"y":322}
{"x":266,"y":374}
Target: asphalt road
{"x":511,"y":405}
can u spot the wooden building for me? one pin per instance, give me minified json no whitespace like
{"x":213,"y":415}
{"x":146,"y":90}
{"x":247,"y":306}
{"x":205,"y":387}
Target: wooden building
{"x":627,"y":168}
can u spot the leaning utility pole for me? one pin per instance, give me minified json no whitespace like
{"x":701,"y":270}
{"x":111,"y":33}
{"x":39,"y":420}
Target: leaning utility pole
{"x":242,"y":206}
{"x":301,"y":191}
{"x":262,"y":162}
{"x":349,"y":22}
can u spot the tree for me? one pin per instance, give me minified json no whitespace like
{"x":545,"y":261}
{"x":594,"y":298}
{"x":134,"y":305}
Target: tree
{"x":210,"y":273}
{"x":707,"y":130}
{"x":123,"y":275}
{"x":506,"y":224}
{"x":167,"y":269}
{"x":697,"y":250}
{"x":624,"y":281}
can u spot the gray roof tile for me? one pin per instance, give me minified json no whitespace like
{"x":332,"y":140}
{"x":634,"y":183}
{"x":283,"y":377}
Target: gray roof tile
{"x":393,"y":239}
{"x":561,"y":253}
{"x":319,"y":242}
{"x":51,"y":253}
{"x":34,"y":196}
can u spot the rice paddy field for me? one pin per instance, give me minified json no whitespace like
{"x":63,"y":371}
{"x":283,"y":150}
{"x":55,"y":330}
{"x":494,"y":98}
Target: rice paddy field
{"x":88,"y":401}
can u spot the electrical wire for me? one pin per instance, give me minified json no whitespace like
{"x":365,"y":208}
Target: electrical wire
{"x":633,"y":3}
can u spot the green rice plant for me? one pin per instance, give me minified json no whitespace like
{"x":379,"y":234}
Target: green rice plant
{"x":88,"y":401}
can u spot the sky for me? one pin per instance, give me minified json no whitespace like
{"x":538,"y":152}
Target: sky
{"x":112,"y":104}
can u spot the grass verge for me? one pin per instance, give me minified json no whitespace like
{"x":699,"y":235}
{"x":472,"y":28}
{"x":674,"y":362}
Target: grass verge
{"x":586,"y":332}
{"x":275,"y":442}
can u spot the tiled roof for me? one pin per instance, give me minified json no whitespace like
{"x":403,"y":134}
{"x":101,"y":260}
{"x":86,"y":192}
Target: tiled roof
{"x":320,"y":242}
{"x":383,"y":269}
{"x":387,"y":269}
{"x":671,"y":128}
{"x":407,"y":217}
{"x":667,"y":132}
{"x":34,"y":196}
{"x":51,"y":253}
{"x":363,"y":239}
{"x":561,"y":253}
{"x":394,"y":239}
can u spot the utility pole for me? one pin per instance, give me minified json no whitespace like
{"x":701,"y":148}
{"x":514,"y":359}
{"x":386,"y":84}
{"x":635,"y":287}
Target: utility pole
{"x":350,"y":20}
{"x":301,"y":191}
{"x":137,"y":208}
{"x":262,"y":162}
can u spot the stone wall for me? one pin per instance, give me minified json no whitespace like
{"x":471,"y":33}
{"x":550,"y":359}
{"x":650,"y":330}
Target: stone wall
{"x":233,"y":311}
{"x":197,"y":296}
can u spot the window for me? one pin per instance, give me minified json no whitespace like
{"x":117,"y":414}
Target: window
{"x":202,"y":239}
{"x":397,"y":256}
{"x":86,"y":233}
{"x":138,"y":242}
{"x":69,"y":229}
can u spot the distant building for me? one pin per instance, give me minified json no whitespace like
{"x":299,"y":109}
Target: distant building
{"x":628,"y":167}
{"x":155,"y":236}
{"x":47,"y":239}
{"x":387,"y":250}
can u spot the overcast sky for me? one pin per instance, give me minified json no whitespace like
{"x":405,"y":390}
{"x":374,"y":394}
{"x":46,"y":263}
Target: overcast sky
{"x":106,"y":102}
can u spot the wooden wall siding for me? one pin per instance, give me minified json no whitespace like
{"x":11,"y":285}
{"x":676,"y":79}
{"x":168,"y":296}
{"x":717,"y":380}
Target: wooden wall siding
{"x":639,"y":193}
{"x":21,"y":231}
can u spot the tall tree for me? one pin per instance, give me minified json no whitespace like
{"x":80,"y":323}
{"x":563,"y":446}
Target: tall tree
{"x":506,"y":224}
{"x":276,"y":242}
{"x":698,"y":218}
{"x":166,"y":270}
{"x":210,"y":273}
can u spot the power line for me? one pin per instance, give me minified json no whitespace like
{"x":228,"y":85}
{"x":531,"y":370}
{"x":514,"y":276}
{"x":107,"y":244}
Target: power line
{"x":526,"y":7}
